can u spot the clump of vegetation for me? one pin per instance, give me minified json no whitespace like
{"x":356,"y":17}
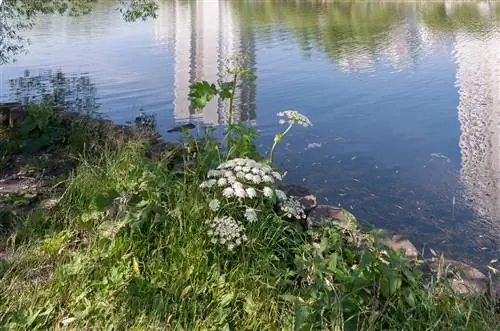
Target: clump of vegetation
{"x":138,"y":243}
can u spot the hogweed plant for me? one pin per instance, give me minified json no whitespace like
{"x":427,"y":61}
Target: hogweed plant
{"x":239,"y":189}
{"x":289,"y":118}
{"x":201,"y":93}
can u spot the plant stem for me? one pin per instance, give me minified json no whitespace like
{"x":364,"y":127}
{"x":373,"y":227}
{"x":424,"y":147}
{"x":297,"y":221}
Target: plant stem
{"x":276,"y":141}
{"x":230,"y":114}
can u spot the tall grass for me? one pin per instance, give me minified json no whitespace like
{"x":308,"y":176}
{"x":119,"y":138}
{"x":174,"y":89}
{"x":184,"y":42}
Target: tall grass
{"x":126,"y":248}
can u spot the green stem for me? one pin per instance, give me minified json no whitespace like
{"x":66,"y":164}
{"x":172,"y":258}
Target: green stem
{"x":230,"y":114}
{"x":276,"y":141}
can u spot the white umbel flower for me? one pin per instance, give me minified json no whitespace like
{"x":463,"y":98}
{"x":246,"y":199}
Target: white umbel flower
{"x":294,"y":117}
{"x":251,"y":215}
{"x":280,"y":195}
{"x":256,"y":179}
{"x":237,"y":185}
{"x":228,"y":192}
{"x":268,"y":192}
{"x":277,"y":175}
{"x":213,"y":173}
{"x":214,"y":204}
{"x":267,"y":179}
{"x":240,"y":192}
{"x":208,"y":183}
{"x":226,"y":231}
{"x":251,"y":192}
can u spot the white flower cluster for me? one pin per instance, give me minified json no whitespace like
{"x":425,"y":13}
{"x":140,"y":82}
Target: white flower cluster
{"x":294,"y":117}
{"x":226,"y":231}
{"x":243,"y":178}
{"x":292,"y":208}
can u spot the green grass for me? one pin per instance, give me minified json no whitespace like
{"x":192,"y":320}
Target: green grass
{"x":126,"y":248}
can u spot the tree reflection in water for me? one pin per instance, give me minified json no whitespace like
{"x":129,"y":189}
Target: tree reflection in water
{"x":73,"y":92}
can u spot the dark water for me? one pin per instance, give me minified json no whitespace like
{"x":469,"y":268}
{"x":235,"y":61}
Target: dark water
{"x":404,"y":97}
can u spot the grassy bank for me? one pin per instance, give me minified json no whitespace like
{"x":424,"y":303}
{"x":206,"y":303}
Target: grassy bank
{"x":129,"y":243}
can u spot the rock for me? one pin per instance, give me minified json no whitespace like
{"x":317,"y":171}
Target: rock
{"x":181,"y":128}
{"x":341,"y":217}
{"x":308,"y":203}
{"x":463,"y":278}
{"x":18,"y":185}
{"x":397,"y":242}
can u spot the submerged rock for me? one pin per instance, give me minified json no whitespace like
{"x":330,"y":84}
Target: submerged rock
{"x":463,"y":278}
{"x":322,"y":214}
{"x":308,"y":203}
{"x":399,"y":243}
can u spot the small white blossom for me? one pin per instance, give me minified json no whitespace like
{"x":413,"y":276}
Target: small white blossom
{"x":267,"y":179}
{"x":246,"y":169}
{"x":292,"y":208}
{"x":240,"y":174}
{"x":249,"y":176}
{"x":256,"y":179}
{"x":266,"y":169}
{"x":294,"y":117}
{"x":251,"y":192}
{"x":228,"y":173}
{"x":228,"y":192}
{"x":268,"y":192}
{"x":231,"y":179}
{"x":250,"y":215}
{"x":240,"y":192}
{"x":237,"y":185}
{"x":256,"y":171}
{"x":222,"y":182}
{"x":237,"y":168}
{"x":208,"y":183}
{"x":214,"y":204}
{"x":280,"y":195}
{"x":213,"y":173}
{"x":240,"y":162}
{"x":277,"y":175}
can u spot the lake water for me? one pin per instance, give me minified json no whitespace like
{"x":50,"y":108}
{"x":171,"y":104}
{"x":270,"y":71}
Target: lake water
{"x":404,"y":97}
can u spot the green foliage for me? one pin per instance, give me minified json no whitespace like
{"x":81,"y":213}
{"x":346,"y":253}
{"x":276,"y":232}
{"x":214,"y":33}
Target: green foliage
{"x":243,"y":141}
{"x":41,"y":128}
{"x":201,"y":93}
{"x":126,"y":248}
